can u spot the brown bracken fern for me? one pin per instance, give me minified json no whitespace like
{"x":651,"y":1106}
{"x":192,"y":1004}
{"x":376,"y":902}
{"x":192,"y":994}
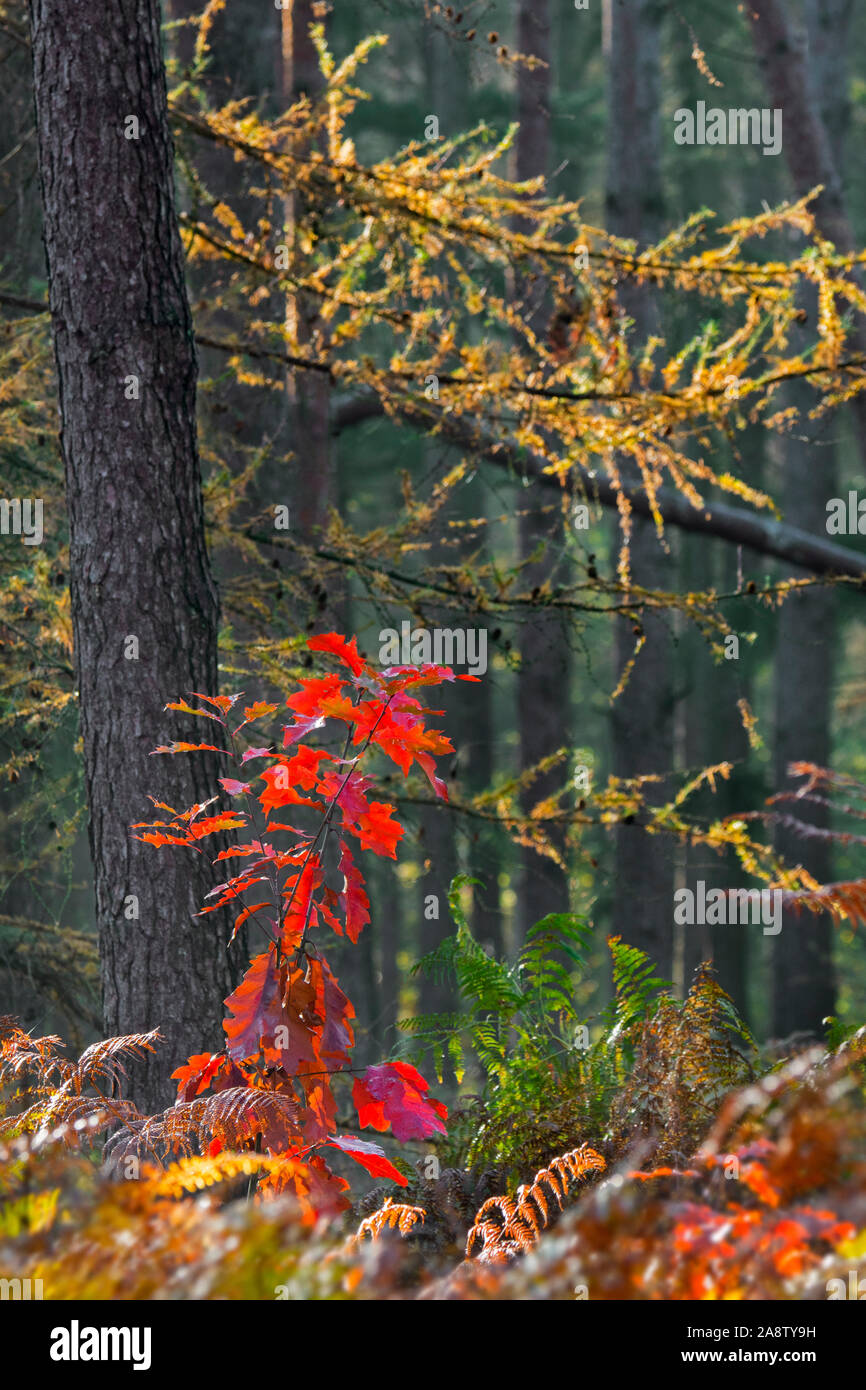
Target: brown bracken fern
{"x":390,"y":1215}
{"x":524,"y":1216}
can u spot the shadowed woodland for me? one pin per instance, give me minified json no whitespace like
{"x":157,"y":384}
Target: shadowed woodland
{"x":431,"y":811}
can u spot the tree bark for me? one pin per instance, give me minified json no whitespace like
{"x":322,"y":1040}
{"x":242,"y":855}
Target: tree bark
{"x":806,"y":74}
{"x":311,"y":469}
{"x":543,"y":682}
{"x":138,"y":562}
{"x":642,"y":723}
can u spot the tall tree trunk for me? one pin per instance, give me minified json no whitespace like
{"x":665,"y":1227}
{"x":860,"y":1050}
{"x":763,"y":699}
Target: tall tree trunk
{"x":312,"y":482}
{"x":542,"y":685}
{"x":807,"y":75}
{"x":138,"y":563}
{"x":642,"y":723}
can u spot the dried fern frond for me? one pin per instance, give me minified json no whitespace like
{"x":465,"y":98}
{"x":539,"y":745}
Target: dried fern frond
{"x":20,"y":1053}
{"x":844,"y":901}
{"x":103,"y":1061}
{"x":200,"y":1172}
{"x":524,"y":1216}
{"x":233,"y":1116}
{"x":389,"y":1216}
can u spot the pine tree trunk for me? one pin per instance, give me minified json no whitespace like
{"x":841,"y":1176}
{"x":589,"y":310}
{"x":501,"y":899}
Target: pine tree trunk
{"x":138,"y":564}
{"x":543,"y":682}
{"x":310,"y":392}
{"x":642,"y":723}
{"x":810,"y":80}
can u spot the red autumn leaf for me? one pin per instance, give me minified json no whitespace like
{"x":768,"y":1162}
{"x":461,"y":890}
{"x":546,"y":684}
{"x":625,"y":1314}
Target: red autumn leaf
{"x":302,"y":769}
{"x":426,"y":762}
{"x":336,"y":1011}
{"x":157,"y":838}
{"x":189,"y":748}
{"x":298,"y":891}
{"x":197,"y":1074}
{"x":371,"y":1112}
{"x":349,"y":792}
{"x":242,"y":917}
{"x":341,"y":707}
{"x":256,"y":753}
{"x":370,"y":1156}
{"x":354,"y":902}
{"x":337,"y":645}
{"x":222,"y":702}
{"x":294,"y":1037}
{"x":256,"y":1006}
{"x":313,"y":691}
{"x":278,"y":792}
{"x":401,"y":734}
{"x":240,"y":851}
{"x":319,"y":1191}
{"x":300,"y":728}
{"x":377,"y":831}
{"x":393,"y":1094}
{"x":319,"y":1118}
{"x":233,"y":887}
{"x":233,"y":786}
{"x":188,"y":709}
{"x":257,"y":711}
{"x":161,"y":806}
{"x":326,"y":905}
{"x":229,"y":820}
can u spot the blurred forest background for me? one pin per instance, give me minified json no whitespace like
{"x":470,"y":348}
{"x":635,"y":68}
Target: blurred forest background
{"x":392,"y":522}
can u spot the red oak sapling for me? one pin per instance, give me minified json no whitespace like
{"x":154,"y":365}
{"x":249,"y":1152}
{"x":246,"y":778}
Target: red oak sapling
{"x":289,"y":1024}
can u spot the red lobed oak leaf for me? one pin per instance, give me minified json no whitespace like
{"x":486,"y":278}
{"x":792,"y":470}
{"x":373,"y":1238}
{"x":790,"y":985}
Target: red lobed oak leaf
{"x":370,"y":1156}
{"x":256,"y":1006}
{"x":233,"y":786}
{"x":336,"y":644}
{"x":393,"y":1094}
{"x":353,"y":900}
{"x":314,"y":690}
{"x":336,"y":1011}
{"x":279,"y":792}
{"x":207,"y":1071}
{"x":377,"y":831}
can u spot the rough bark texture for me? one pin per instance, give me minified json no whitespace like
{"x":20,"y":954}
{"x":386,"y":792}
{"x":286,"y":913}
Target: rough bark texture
{"x":138,"y":563}
{"x":642,"y":725}
{"x":542,"y":687}
{"x":310,"y":392}
{"x":807,"y":73}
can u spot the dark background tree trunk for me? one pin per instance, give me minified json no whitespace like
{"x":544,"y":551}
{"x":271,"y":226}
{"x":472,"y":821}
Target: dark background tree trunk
{"x":543,"y":713}
{"x":139,"y":566}
{"x":642,"y":722}
{"x":805,"y":73}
